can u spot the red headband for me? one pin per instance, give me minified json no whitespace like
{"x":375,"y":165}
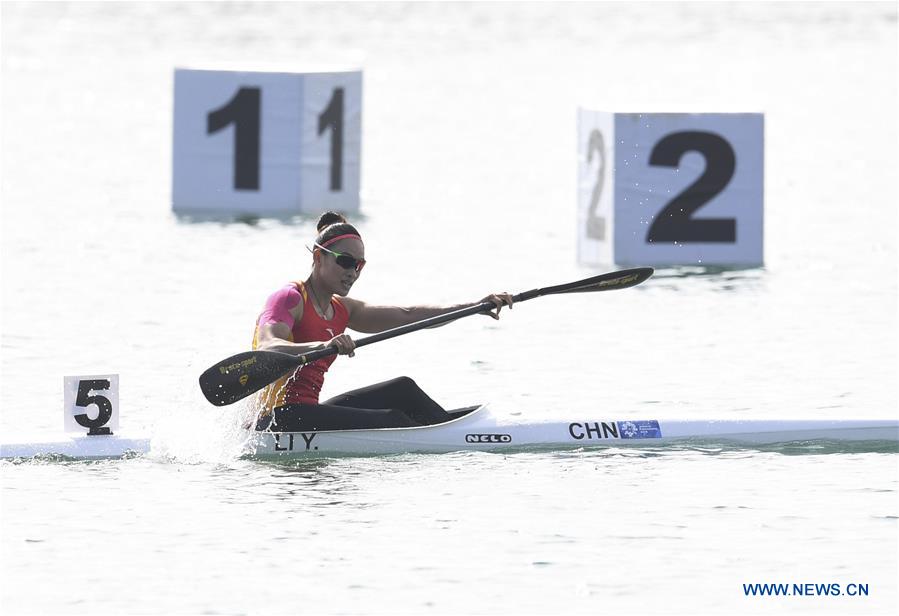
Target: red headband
{"x":340,"y":237}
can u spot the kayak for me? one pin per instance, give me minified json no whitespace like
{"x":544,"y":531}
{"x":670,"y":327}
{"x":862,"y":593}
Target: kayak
{"x":477,"y":429}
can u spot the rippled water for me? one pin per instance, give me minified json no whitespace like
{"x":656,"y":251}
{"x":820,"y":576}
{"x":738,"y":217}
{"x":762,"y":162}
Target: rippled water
{"x":468,"y":187}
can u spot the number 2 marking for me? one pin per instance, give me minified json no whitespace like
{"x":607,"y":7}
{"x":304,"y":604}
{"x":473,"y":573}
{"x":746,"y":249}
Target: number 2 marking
{"x":596,"y":225}
{"x":675,"y":223}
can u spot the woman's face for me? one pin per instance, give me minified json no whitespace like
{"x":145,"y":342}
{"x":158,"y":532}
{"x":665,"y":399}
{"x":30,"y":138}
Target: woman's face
{"x":338,"y":279}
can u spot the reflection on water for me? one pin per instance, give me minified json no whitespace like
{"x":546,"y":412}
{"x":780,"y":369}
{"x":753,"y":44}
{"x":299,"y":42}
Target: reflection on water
{"x":253,"y":220}
{"x":689,"y":271}
{"x":715,"y":279}
{"x":315,"y":484}
{"x":319,"y":481}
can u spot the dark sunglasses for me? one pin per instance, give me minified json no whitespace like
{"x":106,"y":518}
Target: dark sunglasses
{"x":344,"y":260}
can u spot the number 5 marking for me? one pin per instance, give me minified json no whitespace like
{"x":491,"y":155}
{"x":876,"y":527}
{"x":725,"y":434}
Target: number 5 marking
{"x":84,"y":399}
{"x":674,"y":222}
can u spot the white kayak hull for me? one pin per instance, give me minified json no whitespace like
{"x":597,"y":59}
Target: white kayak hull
{"x":480,"y":431}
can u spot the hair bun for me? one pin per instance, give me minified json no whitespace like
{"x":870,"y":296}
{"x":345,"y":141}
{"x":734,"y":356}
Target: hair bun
{"x":329,"y":218}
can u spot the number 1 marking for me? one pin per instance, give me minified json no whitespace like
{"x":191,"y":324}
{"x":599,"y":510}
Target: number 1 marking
{"x":243,"y":111}
{"x":332,"y":117}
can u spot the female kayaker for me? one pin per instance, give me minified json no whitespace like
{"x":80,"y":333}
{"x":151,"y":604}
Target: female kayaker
{"x":312,"y":314}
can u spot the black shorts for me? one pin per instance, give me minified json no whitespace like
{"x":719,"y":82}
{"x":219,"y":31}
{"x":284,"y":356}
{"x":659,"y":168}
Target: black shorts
{"x":396,"y":403}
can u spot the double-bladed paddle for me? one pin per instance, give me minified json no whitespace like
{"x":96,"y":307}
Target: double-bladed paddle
{"x":243,"y":374}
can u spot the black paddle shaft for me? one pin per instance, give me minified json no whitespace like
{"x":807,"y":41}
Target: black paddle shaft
{"x":243,"y":374}
{"x":604,"y":282}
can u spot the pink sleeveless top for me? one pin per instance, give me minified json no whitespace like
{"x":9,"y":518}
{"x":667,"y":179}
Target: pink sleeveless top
{"x":304,"y":385}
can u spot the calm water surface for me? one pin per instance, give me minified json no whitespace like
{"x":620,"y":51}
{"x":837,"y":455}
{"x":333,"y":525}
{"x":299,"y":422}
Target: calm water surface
{"x":469,"y":176}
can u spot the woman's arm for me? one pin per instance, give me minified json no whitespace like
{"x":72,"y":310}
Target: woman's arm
{"x":276,"y":337}
{"x":370,"y":319}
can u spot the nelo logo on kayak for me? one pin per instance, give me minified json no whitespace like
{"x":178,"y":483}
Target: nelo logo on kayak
{"x":488,"y":438}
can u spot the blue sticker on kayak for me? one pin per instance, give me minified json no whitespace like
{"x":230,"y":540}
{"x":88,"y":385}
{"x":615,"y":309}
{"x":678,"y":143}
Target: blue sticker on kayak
{"x":640,"y":429}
